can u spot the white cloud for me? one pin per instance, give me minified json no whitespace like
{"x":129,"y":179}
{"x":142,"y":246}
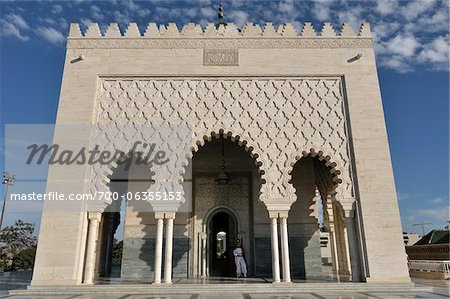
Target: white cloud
{"x":18,"y":21}
{"x":436,"y":51}
{"x":63,"y":23}
{"x":386,"y":7}
{"x":96,"y":12}
{"x":8,"y":29}
{"x":239,"y":17}
{"x":403,"y":45}
{"x":85,"y":22}
{"x":384,"y":29}
{"x":404,"y":196}
{"x":438,"y":214}
{"x":286,"y":7}
{"x":415,"y":8}
{"x":121,"y":18}
{"x":133,"y":7}
{"x":50,"y":34}
{"x":439,"y":200}
{"x":437,"y":22}
{"x":12,"y":24}
{"x":207,"y":13}
{"x":398,"y":52}
{"x":321,"y":10}
{"x":57,"y":9}
{"x":284,"y":12}
{"x":352,"y":15}
{"x":400,"y":64}
{"x":190,"y":12}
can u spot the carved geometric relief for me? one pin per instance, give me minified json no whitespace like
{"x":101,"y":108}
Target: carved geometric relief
{"x":277,"y":118}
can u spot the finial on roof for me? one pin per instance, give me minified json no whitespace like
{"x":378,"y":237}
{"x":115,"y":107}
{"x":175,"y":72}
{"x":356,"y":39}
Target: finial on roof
{"x":220,"y":16}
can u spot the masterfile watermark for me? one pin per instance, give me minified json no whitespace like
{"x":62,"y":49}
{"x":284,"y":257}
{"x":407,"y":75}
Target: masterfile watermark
{"x":98,"y":195}
{"x":56,"y":155}
{"x":101,"y":165}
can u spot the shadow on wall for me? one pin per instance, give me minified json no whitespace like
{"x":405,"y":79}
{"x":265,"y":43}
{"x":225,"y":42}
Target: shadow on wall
{"x":139,"y":239}
{"x":304,"y":234}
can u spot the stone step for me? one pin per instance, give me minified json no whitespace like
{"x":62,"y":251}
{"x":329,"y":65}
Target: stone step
{"x":253,"y":288}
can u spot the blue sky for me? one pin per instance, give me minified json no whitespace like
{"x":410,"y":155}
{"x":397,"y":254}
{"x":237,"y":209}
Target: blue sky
{"x":412,"y":55}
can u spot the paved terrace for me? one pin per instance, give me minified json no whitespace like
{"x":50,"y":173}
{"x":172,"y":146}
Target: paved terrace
{"x":13,"y":285}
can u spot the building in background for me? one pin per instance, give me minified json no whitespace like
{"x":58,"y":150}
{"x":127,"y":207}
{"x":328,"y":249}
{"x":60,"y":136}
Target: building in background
{"x":410,"y":238}
{"x":429,"y":257}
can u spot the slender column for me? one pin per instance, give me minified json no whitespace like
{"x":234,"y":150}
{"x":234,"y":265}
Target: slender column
{"x":285,"y":247}
{"x":347,"y":252}
{"x":169,"y":247}
{"x":89,"y":268}
{"x":203,"y":240}
{"x":353,"y":248}
{"x":332,"y":241}
{"x":275,"y":257}
{"x":158,"y":247}
{"x":334,"y":253}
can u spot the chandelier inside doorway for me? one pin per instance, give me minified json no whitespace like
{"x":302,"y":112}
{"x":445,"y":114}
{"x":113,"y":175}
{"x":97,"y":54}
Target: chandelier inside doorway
{"x":223,"y":178}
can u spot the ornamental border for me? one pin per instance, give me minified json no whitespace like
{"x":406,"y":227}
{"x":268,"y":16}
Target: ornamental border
{"x":218,"y":43}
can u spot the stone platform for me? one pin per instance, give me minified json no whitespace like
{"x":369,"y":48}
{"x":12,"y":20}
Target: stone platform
{"x":211,"y":288}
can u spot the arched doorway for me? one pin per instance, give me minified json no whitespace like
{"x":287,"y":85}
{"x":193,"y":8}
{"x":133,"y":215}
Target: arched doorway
{"x":222,"y":240}
{"x":223,"y":212}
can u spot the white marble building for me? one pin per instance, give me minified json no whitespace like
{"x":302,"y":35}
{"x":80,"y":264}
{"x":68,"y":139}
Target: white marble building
{"x":297,"y":120}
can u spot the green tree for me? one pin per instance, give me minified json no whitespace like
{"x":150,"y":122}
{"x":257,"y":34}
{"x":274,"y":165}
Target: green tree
{"x":24,"y":259}
{"x":17,"y":246}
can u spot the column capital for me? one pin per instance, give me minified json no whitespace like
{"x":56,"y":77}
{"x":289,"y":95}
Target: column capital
{"x":159,"y":215}
{"x":331,"y":227}
{"x":97,"y":216}
{"x":273,"y":214}
{"x":348,"y":205}
{"x":274,"y":204}
{"x":169,"y":215}
{"x":278,"y":213}
{"x":283,"y":214}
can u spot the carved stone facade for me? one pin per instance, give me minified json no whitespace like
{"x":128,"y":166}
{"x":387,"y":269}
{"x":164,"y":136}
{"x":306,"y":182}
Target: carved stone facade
{"x":280,"y":118}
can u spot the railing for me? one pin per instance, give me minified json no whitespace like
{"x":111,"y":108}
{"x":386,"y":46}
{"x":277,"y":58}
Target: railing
{"x":429,"y":252}
{"x":430,"y":266}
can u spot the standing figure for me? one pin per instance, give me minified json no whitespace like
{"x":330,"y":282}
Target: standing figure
{"x":241,"y":267}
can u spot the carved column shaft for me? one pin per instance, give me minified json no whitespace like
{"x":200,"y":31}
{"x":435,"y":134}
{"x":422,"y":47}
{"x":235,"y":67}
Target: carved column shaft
{"x":89,"y":268}
{"x":275,"y":256}
{"x":332,"y":234}
{"x":285,"y":247}
{"x":158,"y":246}
{"x":169,"y":248}
{"x":355,"y":260}
{"x":203,"y":253}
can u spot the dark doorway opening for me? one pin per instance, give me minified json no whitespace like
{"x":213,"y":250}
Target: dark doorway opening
{"x":222,"y":240}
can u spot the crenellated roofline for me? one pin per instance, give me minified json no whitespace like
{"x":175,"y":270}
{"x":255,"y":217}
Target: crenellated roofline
{"x":193,"y":36}
{"x":192,"y":30}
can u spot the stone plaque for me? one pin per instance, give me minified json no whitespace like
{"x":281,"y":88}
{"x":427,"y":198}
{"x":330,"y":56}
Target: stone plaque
{"x":220,"y":57}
